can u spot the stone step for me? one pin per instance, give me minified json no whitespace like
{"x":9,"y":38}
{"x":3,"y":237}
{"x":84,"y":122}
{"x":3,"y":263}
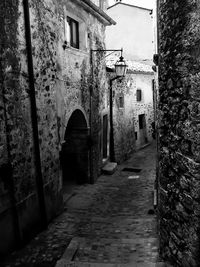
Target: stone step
{"x":109,"y":168}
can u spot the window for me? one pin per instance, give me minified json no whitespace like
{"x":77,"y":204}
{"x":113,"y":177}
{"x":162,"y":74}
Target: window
{"x":73,"y":32}
{"x":139,"y":94}
{"x":121,"y":102}
{"x":135,"y":135}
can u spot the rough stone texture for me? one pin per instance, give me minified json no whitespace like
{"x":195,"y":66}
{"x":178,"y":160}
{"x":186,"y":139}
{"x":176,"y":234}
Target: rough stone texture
{"x":179,"y":82}
{"x":63,"y":83}
{"x":125,"y":120}
{"x":17,"y":156}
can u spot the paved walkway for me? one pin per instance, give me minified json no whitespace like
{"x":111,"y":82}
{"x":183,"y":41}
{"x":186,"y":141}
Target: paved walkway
{"x":107,"y":224}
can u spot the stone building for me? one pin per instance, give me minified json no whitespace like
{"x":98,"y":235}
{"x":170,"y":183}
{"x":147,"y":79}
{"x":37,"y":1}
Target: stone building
{"x":133,"y":109}
{"x":52,"y":102}
{"x":179,"y":142}
{"x":133,"y":112}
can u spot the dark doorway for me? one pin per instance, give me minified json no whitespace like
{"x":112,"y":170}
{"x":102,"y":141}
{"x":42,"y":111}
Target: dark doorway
{"x":142,"y":129}
{"x":75,"y":152}
{"x":105,"y":136}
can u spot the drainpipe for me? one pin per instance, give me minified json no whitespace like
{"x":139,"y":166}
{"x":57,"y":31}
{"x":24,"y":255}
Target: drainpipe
{"x":91,"y":134}
{"x":39,"y":178}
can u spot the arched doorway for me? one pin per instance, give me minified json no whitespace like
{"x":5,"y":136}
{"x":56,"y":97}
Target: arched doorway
{"x":75,"y":151}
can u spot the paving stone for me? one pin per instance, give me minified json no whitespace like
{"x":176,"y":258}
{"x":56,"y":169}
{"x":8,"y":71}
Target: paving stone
{"x":105,"y":224}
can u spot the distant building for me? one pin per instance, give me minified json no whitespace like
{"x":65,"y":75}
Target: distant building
{"x":133,"y":98}
{"x":133,"y":110}
{"x":133,"y":31}
{"x":58,"y":141}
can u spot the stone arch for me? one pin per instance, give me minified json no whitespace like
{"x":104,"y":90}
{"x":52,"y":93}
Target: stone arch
{"x":75,"y":150}
{"x":77,"y":108}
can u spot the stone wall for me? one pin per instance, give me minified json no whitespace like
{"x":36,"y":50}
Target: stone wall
{"x":63,"y":82}
{"x":127,"y":134}
{"x":179,"y":150}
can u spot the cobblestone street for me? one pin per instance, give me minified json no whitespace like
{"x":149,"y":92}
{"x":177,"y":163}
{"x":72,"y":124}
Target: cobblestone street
{"x":110,"y":223}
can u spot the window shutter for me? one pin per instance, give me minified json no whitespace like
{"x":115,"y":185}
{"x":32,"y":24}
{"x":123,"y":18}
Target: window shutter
{"x":67,"y":31}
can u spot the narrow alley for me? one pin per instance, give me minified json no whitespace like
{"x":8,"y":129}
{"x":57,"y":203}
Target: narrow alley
{"x":91,"y":84}
{"x":110,"y":223}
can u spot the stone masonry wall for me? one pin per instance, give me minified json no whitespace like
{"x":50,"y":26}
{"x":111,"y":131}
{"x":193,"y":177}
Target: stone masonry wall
{"x":63,"y":82}
{"x":17,"y":170}
{"x":75,"y":79}
{"x":5,"y":202}
{"x":179,"y":121}
{"x":126,"y":122}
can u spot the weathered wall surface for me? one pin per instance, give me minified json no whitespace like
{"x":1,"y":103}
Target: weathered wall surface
{"x":126,"y":122}
{"x":17,"y":173}
{"x":63,"y":82}
{"x":179,"y":164}
{"x":75,"y":79}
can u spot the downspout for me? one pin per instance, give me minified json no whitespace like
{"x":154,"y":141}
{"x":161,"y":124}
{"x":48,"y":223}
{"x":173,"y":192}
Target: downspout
{"x":90,"y":119}
{"x":39,"y":178}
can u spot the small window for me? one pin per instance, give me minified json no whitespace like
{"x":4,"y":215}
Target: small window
{"x":139,"y":95}
{"x":121,"y":102}
{"x":135,"y":135}
{"x":74,"y":32}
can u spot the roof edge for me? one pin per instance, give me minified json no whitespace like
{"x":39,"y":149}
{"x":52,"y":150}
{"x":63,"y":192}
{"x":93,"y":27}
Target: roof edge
{"x":144,"y":8}
{"x":96,"y":11}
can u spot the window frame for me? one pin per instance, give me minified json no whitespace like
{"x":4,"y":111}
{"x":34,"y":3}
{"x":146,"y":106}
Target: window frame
{"x":73,"y":24}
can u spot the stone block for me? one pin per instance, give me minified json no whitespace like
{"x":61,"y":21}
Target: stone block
{"x":109,"y":168}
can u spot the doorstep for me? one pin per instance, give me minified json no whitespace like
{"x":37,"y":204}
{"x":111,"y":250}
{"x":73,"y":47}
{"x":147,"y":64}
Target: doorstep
{"x":109,"y":168}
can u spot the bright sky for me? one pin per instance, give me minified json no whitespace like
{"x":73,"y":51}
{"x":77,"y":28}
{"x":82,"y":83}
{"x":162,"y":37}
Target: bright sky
{"x":142,"y":3}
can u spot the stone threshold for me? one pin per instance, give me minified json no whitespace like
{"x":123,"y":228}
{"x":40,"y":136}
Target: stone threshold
{"x":109,"y":168}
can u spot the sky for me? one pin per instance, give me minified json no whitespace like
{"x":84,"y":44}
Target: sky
{"x":141,"y":3}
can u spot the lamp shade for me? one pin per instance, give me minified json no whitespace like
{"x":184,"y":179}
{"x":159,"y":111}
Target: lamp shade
{"x":120,"y":67}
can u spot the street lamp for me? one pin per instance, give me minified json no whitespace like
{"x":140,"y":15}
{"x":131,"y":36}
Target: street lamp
{"x":120,"y":67}
{"x":120,"y":71}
